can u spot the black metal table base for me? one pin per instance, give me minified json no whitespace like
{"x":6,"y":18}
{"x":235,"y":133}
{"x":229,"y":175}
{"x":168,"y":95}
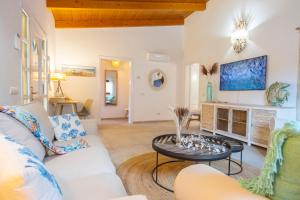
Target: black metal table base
{"x":229,"y":173}
{"x":240,"y":165}
{"x":155,"y":172}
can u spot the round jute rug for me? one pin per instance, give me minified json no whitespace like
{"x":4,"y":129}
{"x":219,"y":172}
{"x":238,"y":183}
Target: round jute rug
{"x":136,"y":174}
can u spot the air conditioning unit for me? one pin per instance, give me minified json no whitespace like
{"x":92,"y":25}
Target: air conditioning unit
{"x":158,"y":57}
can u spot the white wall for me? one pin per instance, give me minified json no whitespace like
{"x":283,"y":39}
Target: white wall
{"x":85,"y":46}
{"x":152,"y":104}
{"x":10,"y":25}
{"x":272,"y":32}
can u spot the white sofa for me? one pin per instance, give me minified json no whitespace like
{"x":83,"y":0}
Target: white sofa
{"x":201,"y":182}
{"x":86,"y":174}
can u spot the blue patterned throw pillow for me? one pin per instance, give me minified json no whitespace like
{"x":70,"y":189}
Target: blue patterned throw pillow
{"x":23,"y":175}
{"x":67,"y":127}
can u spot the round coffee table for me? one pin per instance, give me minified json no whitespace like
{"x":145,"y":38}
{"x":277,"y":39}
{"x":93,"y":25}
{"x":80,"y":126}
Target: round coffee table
{"x":236,"y":147}
{"x":209,"y":148}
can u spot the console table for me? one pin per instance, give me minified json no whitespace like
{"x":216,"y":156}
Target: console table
{"x":252,"y":124}
{"x":59,"y":104}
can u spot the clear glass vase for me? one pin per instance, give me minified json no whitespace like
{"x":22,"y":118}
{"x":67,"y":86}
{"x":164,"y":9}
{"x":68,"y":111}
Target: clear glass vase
{"x":178,"y":134}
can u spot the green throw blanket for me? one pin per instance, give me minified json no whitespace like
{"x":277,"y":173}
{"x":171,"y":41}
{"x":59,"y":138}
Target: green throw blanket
{"x":264,"y":184}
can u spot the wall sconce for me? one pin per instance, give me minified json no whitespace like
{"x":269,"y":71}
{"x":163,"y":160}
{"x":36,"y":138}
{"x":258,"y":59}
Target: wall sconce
{"x":239,"y":37}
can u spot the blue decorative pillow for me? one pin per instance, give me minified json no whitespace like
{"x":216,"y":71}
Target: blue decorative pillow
{"x":67,"y":127}
{"x":23,"y":175}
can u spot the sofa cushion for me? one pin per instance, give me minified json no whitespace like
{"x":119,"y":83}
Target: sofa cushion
{"x":20,"y":133}
{"x":67,"y":127}
{"x":103,"y":186}
{"x":40,"y":113}
{"x":287,"y":181}
{"x":23,"y":175}
{"x":92,"y":140}
{"x":80,"y":163}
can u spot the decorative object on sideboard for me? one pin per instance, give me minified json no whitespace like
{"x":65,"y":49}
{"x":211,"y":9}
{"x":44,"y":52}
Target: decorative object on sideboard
{"x":58,"y":77}
{"x":180,"y":115}
{"x":277,"y":94}
{"x":209,"y":91}
{"x":240,"y":36}
{"x":157,"y":79}
{"x":208,"y":73}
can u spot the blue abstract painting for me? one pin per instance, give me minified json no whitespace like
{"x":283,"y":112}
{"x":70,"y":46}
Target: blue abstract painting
{"x":247,"y":74}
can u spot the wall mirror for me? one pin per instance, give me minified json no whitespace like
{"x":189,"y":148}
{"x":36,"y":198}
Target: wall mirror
{"x":157,"y":79}
{"x":111,"y":87}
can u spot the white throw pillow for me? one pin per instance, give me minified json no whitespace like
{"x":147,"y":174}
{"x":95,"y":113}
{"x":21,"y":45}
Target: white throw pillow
{"x":39,"y":112}
{"x":67,"y":127}
{"x":20,"y":133}
{"x":23,"y":175}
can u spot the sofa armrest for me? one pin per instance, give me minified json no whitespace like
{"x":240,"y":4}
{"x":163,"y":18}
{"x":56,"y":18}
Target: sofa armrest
{"x":90,"y":126}
{"x":203,"y":182}
{"x":134,"y":197}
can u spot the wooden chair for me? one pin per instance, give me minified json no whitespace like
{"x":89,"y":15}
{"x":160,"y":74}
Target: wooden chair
{"x":86,"y":109}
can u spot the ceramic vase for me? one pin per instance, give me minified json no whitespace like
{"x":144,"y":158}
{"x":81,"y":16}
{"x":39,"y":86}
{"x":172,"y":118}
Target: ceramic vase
{"x":209,"y":91}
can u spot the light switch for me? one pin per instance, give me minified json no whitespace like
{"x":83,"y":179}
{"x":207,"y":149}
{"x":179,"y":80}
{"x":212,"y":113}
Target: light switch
{"x":13,"y":91}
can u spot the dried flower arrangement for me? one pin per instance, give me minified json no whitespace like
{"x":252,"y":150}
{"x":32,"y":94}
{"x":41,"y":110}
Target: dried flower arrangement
{"x":181,"y":115}
{"x":213,"y":70}
{"x":208,"y":73}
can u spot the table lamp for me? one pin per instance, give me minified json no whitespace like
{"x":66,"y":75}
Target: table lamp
{"x":58,"y":77}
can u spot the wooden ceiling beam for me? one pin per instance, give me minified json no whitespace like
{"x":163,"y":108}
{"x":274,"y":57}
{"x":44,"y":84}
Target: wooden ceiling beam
{"x":127,"y":5}
{"x":118,"y":23}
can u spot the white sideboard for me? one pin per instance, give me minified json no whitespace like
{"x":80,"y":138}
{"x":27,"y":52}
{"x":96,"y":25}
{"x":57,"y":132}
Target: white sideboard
{"x":249,"y":123}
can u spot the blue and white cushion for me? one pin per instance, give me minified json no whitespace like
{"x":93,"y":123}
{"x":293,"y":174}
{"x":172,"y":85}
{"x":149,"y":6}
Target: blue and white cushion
{"x":23,"y":175}
{"x":67,"y":127}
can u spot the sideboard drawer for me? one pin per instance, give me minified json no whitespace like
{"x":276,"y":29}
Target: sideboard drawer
{"x":207,"y":117}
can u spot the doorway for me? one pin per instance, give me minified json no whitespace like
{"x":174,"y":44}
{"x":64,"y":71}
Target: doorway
{"x":115,"y":96}
{"x":192,"y":86}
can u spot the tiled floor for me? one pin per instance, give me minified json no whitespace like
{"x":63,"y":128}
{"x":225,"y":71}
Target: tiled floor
{"x":125,"y":140}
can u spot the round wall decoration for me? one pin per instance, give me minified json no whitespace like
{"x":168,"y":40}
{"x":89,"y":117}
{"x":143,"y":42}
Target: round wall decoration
{"x":157,"y":79}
